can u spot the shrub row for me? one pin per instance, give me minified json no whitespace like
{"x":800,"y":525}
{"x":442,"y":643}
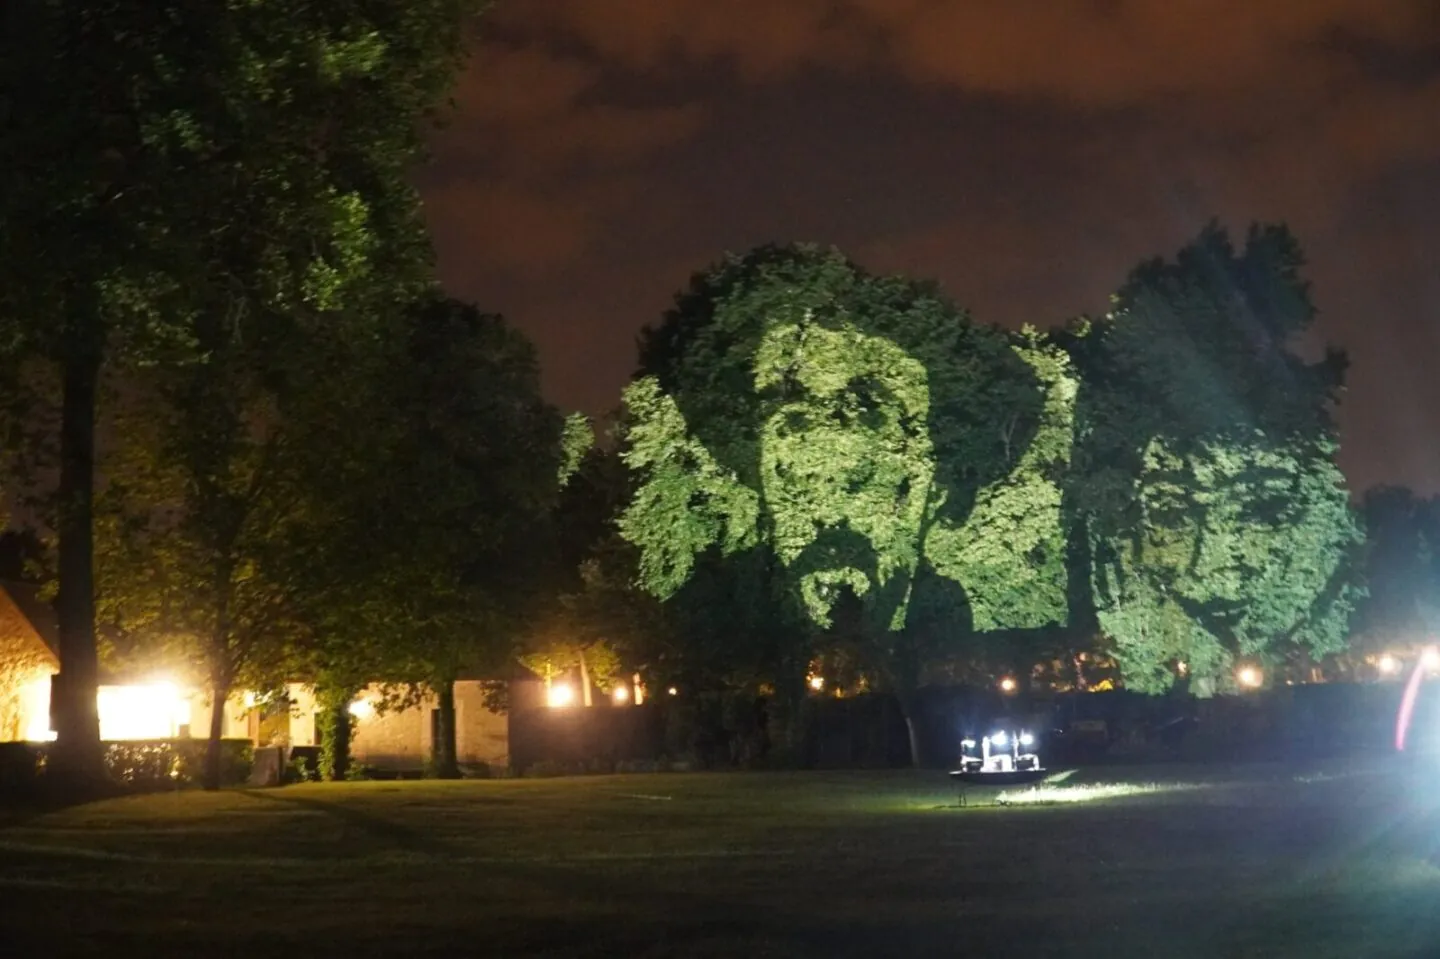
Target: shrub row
{"x":139,"y":766}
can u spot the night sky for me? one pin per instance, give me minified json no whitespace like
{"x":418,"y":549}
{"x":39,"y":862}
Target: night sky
{"x":1025,"y":153}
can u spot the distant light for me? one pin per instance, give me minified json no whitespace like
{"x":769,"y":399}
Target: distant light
{"x":560,"y":695}
{"x":621,"y":694}
{"x":1007,"y":685}
{"x":362,"y":709}
{"x":968,"y":743}
{"x":1026,"y":739}
{"x":1430,"y":659}
{"x":1388,"y":665}
{"x":817,"y":683}
{"x":673,"y":691}
{"x":1000,"y":739}
{"x":1182,"y":667}
{"x":1250,"y":677}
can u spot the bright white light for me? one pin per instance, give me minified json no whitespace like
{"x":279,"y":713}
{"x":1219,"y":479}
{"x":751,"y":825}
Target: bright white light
{"x":968,"y":743}
{"x":621,"y":694}
{"x":141,"y":712}
{"x":1026,"y":739}
{"x":249,"y":699}
{"x":35,"y":707}
{"x":1007,"y":685}
{"x":560,"y":695}
{"x":1388,"y":665}
{"x":1250,"y":677}
{"x":1430,"y":659}
{"x":673,"y":691}
{"x":1182,"y":667}
{"x":362,"y":709}
{"x":1045,"y":795}
{"x":817,"y":683}
{"x":1000,"y":739}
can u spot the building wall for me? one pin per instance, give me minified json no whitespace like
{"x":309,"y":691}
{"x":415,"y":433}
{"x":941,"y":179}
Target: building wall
{"x":401,"y":740}
{"x":26,"y":665}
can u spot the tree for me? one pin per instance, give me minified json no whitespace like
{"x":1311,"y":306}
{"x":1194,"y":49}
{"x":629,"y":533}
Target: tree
{"x":430,"y":543}
{"x":1402,"y":544}
{"x":806,"y":432}
{"x":199,"y":505}
{"x":166,"y":161}
{"x":1205,"y":492}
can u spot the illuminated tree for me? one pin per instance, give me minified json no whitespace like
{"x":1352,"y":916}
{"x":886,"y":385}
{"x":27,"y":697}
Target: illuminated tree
{"x":1205,"y":490}
{"x":819,"y":433}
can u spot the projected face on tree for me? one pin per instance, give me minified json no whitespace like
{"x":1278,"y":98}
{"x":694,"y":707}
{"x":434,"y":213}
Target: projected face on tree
{"x":845,"y":452}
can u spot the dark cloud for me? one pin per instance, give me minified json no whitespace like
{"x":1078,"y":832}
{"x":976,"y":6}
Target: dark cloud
{"x":1026,"y":154}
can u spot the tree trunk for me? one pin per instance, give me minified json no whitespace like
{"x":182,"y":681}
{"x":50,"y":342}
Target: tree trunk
{"x":340,"y":731}
{"x":444,"y":761}
{"x":585,"y":694}
{"x":78,"y":760}
{"x":787,"y":718}
{"x":220,"y":691}
{"x":909,"y":707}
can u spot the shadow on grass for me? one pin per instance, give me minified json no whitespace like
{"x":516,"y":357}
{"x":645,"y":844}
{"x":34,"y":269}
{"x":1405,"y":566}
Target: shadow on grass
{"x":367,"y":824}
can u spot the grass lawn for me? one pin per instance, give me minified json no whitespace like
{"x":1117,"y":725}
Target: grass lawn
{"x":1248,"y":861}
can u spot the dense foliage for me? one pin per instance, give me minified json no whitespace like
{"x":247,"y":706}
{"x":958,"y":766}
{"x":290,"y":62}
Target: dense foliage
{"x":806,"y":436}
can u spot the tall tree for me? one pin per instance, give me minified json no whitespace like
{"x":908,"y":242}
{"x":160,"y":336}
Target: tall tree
{"x":442,"y":465}
{"x":1402,"y":568}
{"x":821,"y":433}
{"x":166,"y":161}
{"x":1205,"y":490}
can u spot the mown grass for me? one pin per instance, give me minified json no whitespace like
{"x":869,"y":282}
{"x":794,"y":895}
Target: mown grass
{"x":1255,"y":861}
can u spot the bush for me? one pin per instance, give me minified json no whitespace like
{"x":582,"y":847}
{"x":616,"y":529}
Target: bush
{"x":149,"y":765}
{"x":22,"y":771}
{"x":138,"y":765}
{"x":304,"y":764}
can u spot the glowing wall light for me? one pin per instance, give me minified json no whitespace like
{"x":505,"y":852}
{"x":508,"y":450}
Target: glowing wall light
{"x":150,"y":711}
{"x":362,"y":709}
{"x":1250,"y":677}
{"x":621,"y":695}
{"x":35,"y":708}
{"x":560,"y":695}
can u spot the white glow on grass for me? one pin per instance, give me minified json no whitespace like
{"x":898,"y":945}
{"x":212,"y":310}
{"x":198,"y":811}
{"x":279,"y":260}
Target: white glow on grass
{"x":1058,"y":794}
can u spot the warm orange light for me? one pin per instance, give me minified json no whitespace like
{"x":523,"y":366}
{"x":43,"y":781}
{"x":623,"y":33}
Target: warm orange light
{"x":560,"y":695}
{"x":621,"y":695}
{"x":817,"y":683}
{"x":1250,"y":677}
{"x":1007,"y":685}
